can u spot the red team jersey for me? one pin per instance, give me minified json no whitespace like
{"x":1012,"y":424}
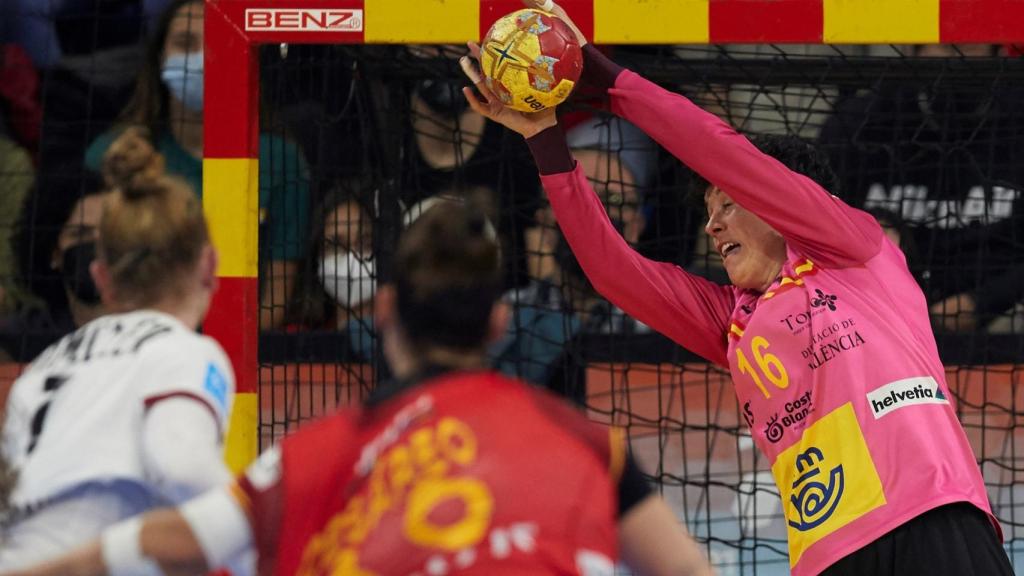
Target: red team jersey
{"x":468,"y":473}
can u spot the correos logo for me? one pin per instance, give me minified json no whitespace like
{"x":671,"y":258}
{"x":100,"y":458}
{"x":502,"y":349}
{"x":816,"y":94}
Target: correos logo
{"x":902,"y":393}
{"x":816,"y":492}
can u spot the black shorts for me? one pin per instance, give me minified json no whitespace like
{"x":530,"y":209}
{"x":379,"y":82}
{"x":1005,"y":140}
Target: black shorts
{"x":952,"y":540}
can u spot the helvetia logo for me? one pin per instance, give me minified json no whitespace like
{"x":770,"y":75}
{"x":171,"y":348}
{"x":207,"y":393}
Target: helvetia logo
{"x":902,"y":393}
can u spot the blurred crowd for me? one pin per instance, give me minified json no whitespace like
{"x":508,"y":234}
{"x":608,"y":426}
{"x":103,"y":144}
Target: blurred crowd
{"x":348,"y":156}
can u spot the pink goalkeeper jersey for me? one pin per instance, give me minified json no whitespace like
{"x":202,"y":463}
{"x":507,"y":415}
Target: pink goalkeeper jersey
{"x":835,"y":364}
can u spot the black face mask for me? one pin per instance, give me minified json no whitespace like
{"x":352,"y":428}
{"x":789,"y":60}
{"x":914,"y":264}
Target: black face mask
{"x":75,"y":273}
{"x":442,"y":96}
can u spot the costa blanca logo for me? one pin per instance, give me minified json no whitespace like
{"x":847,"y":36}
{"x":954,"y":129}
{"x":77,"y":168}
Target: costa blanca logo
{"x":795,"y":417}
{"x":908,"y":392}
{"x":303,"y":20}
{"x":773,"y":431}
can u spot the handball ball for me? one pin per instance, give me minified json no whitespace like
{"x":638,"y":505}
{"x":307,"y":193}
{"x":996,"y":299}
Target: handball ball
{"x":531,"y":60}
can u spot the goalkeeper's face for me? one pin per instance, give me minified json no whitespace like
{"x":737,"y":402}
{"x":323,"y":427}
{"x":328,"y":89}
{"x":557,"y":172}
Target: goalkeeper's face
{"x":752,"y":251}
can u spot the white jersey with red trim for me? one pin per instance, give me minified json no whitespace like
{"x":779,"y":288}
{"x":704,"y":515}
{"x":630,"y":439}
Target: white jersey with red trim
{"x":76,"y":416}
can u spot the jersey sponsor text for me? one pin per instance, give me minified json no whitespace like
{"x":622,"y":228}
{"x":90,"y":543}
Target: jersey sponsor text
{"x":903,"y":393}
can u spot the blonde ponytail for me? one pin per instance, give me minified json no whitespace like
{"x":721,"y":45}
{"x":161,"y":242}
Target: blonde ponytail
{"x":153,"y":229}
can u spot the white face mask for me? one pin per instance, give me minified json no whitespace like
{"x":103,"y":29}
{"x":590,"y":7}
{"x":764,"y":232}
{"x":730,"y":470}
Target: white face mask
{"x":349,"y":280}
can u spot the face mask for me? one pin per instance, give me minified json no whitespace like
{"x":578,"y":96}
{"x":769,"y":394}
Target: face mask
{"x":75,"y":273}
{"x":183,"y":75}
{"x":442,"y":97}
{"x":349,"y":280}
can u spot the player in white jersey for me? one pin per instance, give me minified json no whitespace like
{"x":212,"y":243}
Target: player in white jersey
{"x":130,"y":410}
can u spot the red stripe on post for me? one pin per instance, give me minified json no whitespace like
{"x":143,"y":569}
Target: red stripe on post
{"x":752,"y":21}
{"x":983,"y":21}
{"x":233,"y":320}
{"x":581,"y":12}
{"x":232,"y":87}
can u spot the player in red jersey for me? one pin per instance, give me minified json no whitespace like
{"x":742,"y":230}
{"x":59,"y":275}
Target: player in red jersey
{"x":449,"y":469}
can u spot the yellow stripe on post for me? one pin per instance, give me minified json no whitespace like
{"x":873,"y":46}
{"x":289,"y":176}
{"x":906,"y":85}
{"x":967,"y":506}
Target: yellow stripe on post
{"x":240,"y":446}
{"x":422,"y":21}
{"x":650,"y":21}
{"x":881,"y":21}
{"x":231,"y":204}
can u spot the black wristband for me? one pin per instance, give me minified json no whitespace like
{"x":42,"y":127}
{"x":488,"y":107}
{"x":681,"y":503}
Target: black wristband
{"x":598,"y":70}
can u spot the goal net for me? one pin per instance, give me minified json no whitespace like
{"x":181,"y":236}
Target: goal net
{"x":929,"y":140}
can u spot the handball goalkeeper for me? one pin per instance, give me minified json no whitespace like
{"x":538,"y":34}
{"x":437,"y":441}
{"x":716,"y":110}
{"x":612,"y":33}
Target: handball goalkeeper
{"x":824,"y":330}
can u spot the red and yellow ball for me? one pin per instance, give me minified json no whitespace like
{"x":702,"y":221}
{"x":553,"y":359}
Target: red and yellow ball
{"x":531,"y":60}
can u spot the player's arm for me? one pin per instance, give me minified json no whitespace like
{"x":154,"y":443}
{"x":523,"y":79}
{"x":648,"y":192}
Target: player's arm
{"x":688,"y":309}
{"x":182,"y":448}
{"x":204,"y":533}
{"x":653,"y":543}
{"x":817,"y":223}
{"x":186,"y":398}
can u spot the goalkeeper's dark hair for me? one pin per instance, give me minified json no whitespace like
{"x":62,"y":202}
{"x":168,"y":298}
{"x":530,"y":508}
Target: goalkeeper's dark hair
{"x":447,"y":275}
{"x":795,"y":153}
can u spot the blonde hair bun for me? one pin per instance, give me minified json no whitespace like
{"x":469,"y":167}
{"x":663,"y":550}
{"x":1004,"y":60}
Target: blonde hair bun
{"x":132,"y":165}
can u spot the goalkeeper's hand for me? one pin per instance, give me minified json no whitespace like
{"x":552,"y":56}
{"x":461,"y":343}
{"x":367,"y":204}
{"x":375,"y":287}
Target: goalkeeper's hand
{"x":491,"y":106}
{"x":552,"y":7}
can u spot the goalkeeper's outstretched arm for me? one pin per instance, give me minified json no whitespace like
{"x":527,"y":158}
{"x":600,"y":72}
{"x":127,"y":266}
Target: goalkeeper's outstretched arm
{"x":691,"y":310}
{"x":837,"y":234}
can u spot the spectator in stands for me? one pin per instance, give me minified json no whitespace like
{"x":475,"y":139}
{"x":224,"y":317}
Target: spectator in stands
{"x":53,"y":30}
{"x":19,"y":136}
{"x":452,"y":146}
{"x":88,"y":55}
{"x":339,"y":277}
{"x":947,"y":156}
{"x":766,"y":107}
{"x":20,"y":109}
{"x":336,"y":285}
{"x":168,"y":100}
{"x":55,"y":244}
{"x":548,"y":313}
{"x":16,"y":177}
{"x":559,"y":304}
